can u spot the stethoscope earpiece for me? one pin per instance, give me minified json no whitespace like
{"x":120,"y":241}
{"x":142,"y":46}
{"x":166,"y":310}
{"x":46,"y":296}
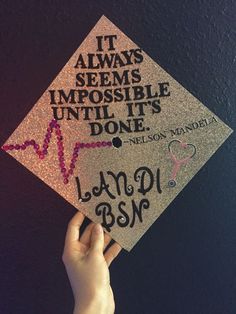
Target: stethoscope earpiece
{"x":183,"y":145}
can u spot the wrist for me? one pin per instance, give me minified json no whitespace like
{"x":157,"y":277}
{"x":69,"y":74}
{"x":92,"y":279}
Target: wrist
{"x":94,"y":306}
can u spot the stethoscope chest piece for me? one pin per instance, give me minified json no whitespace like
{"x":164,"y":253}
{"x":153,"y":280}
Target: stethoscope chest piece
{"x":171,"y":183}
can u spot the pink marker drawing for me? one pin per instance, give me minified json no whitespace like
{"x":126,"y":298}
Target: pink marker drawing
{"x":179,"y":162}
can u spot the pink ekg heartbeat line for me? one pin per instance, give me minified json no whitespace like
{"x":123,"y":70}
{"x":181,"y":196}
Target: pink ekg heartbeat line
{"x":44,"y":151}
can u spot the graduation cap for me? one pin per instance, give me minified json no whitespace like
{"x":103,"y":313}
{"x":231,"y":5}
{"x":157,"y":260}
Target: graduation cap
{"x":116,"y":135}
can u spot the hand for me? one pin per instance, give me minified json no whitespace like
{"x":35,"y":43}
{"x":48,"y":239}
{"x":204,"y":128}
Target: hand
{"x":87,"y":267}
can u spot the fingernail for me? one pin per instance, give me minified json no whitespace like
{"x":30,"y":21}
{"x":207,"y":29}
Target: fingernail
{"x":98,"y":229}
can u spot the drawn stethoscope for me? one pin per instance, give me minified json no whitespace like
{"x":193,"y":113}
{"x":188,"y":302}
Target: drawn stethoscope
{"x":179,"y":162}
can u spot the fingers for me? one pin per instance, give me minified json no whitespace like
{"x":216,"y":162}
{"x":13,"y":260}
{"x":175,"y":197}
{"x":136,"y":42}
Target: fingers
{"x":73,"y":229}
{"x":97,"y":239}
{"x":85,"y":237}
{"x":93,"y":236}
{"x":112,"y":253}
{"x":107,"y":240}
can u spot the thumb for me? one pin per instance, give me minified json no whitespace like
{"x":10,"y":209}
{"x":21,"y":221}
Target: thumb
{"x":97,"y":239}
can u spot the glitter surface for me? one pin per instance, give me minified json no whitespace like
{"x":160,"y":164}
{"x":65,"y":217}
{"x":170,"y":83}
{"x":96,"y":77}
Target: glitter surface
{"x":182,"y":117}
